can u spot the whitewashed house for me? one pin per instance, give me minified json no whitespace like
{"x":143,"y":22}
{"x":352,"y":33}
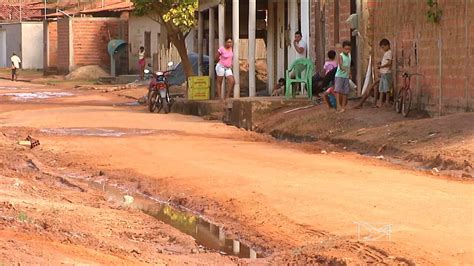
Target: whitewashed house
{"x":26,"y":40}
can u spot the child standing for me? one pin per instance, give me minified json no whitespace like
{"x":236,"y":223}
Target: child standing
{"x":385,"y":69}
{"x":341,"y":80}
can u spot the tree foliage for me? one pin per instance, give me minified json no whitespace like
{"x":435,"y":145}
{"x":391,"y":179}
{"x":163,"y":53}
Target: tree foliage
{"x":178,"y":14}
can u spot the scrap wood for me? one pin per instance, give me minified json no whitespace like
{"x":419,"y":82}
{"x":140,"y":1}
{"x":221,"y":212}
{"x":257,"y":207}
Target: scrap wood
{"x":299,"y":108}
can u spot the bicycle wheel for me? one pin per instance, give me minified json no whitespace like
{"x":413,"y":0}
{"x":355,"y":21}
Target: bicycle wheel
{"x":406,"y":102}
{"x":399,"y":101}
{"x":153,"y":101}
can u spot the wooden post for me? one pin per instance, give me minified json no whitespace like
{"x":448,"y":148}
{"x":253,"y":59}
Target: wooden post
{"x":236,"y":38}
{"x":211,"y":49}
{"x":270,"y":46}
{"x":252,"y":44}
{"x":320,"y":40}
{"x":200,"y":41}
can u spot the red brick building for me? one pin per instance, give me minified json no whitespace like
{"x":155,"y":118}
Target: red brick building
{"x":81,"y":37}
{"x":441,"y":52}
{"x":83,"y":41}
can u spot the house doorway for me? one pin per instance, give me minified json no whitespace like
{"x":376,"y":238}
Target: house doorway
{"x":354,"y":49}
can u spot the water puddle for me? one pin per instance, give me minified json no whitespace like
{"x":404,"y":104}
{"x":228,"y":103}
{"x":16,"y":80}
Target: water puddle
{"x":8,"y":88}
{"x":94,"y":132}
{"x":25,"y":96}
{"x":135,"y":103}
{"x":208,"y":235}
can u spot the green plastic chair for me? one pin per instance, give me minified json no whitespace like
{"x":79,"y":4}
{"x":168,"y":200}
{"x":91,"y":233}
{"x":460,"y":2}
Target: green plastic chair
{"x":304,"y":75}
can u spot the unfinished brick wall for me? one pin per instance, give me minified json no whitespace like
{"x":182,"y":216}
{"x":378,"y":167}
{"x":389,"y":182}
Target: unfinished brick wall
{"x":53,"y":43}
{"x":440,"y":52}
{"x":91,"y":36}
{"x":63,"y":45}
{"x":334,"y":22}
{"x":336,"y":29}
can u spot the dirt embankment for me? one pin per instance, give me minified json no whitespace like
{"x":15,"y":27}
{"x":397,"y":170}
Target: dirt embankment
{"x":435,"y":144}
{"x":48,"y":219}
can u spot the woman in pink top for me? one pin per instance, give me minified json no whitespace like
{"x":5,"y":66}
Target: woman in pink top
{"x":224,"y":56}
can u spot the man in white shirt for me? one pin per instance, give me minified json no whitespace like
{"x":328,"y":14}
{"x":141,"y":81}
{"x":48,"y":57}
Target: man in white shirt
{"x":300,"y":45}
{"x":16,"y":64}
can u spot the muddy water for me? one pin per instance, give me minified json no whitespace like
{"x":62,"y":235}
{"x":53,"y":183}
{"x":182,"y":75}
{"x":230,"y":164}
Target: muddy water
{"x":25,"y":96}
{"x":208,"y":235}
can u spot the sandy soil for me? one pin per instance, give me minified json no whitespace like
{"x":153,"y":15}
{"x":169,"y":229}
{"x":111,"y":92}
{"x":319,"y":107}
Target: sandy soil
{"x":294,"y":206}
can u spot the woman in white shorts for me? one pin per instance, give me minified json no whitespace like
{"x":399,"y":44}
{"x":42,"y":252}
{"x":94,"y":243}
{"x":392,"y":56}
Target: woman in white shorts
{"x":224,"y":56}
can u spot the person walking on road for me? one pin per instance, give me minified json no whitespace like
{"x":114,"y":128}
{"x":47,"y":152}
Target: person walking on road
{"x":16,"y":64}
{"x":224,"y":56}
{"x":142,"y":62}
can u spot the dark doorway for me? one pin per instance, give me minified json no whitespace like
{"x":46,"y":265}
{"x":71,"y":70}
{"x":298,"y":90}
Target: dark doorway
{"x":353,"y":45}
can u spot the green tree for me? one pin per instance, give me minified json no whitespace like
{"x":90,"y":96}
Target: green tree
{"x":177,"y":16}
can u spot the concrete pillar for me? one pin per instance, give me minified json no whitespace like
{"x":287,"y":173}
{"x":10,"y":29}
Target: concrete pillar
{"x":252,"y":46}
{"x":221,"y":25}
{"x":305,"y":10}
{"x":200,"y":41}
{"x":221,"y":236}
{"x":293,"y":23}
{"x":46,"y":45}
{"x":71,"y":44}
{"x":212,"y":49}
{"x":236,"y":247}
{"x":270,"y":46}
{"x":281,"y":44}
{"x":236,"y":38}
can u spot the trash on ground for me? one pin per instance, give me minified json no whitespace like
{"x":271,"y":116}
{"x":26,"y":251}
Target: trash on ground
{"x":380,"y":157}
{"x":29,"y":142}
{"x":299,"y":108}
{"x":127,"y":199}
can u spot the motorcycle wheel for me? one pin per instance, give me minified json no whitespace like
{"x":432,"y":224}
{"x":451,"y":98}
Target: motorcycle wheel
{"x":153,"y":101}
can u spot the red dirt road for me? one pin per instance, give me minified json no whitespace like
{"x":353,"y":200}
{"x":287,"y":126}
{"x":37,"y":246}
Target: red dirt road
{"x":271,"y":194}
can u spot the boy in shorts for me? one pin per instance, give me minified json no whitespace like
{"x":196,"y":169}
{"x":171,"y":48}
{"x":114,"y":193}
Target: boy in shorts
{"x":385,"y":69}
{"x":341,"y":81}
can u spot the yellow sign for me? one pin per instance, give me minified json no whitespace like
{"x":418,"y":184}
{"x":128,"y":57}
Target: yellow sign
{"x":198,"y":88}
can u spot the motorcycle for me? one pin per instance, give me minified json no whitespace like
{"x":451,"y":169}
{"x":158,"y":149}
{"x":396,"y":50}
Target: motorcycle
{"x":158,"y":92}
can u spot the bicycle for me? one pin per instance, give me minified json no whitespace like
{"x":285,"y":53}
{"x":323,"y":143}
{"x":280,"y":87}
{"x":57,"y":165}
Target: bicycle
{"x":404,"y":95}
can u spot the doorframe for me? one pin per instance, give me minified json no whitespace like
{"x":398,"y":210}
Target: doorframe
{"x":3,"y":54}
